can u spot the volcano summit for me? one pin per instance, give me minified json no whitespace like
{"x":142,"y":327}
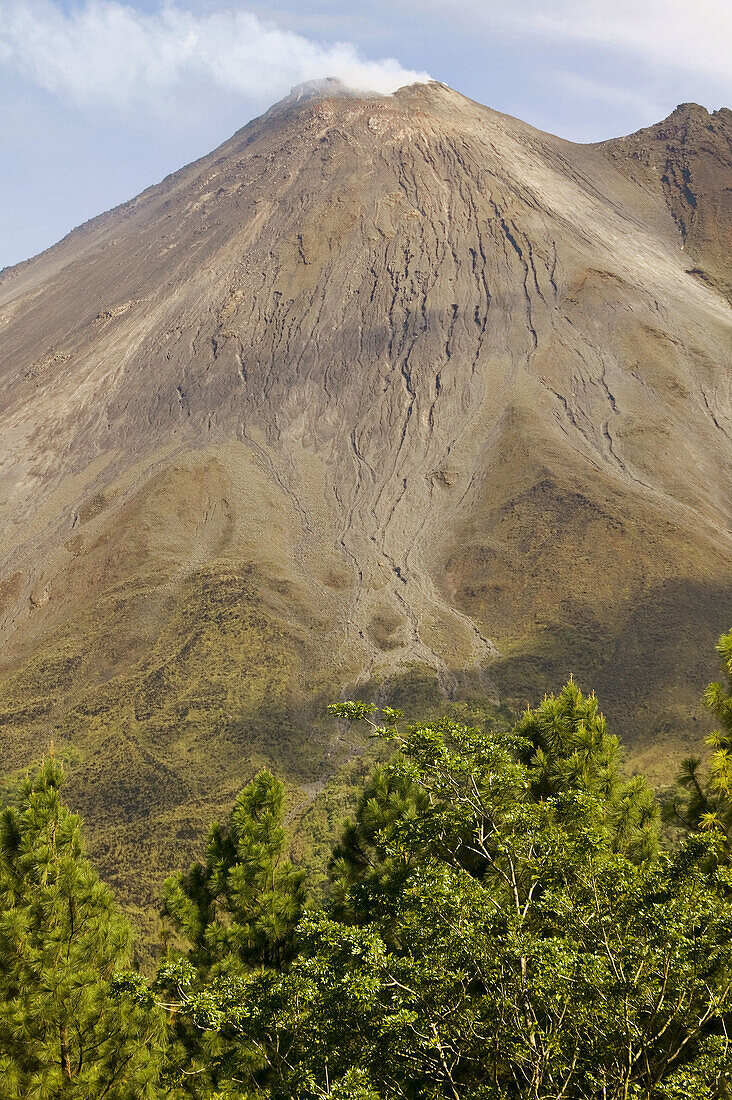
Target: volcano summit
{"x":390,"y":391}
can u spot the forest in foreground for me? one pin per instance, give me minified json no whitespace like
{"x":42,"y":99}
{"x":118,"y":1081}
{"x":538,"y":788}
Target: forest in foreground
{"x":507,"y":914}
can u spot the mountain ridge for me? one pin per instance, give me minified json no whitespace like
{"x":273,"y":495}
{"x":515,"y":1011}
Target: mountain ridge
{"x":324,"y":89}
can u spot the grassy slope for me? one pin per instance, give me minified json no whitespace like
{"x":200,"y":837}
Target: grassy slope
{"x":158,"y":750}
{"x":640,"y":630}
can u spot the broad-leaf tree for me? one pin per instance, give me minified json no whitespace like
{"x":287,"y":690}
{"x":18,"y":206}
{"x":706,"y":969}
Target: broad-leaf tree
{"x":501,"y":926}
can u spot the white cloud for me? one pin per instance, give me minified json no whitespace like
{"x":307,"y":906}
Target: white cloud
{"x":675,"y":35}
{"x":105,"y":53}
{"x":694,"y":38}
{"x":627,"y":98}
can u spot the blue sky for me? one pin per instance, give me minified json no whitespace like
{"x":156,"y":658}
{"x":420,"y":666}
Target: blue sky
{"x":100,"y":98}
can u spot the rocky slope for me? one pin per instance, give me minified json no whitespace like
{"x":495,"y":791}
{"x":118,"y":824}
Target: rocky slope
{"x":687,"y":160}
{"x":389,"y":391}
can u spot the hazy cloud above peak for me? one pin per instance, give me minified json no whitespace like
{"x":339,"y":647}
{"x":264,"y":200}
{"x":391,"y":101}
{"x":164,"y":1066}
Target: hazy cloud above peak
{"x":687,"y":37}
{"x":106,"y":53}
{"x":665,"y":34}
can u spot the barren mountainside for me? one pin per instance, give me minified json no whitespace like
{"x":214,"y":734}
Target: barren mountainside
{"x":395,"y":392}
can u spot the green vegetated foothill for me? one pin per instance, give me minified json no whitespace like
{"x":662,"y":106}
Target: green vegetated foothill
{"x":163,"y":744}
{"x":504,"y":917}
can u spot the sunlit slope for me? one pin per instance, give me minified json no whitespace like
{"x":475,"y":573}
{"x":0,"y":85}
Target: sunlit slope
{"x":384,"y":390}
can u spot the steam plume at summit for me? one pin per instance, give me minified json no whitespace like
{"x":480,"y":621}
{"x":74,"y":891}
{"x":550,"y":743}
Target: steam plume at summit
{"x":108,"y":53}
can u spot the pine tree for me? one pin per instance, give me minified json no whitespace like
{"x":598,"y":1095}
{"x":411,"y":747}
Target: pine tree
{"x":360,"y":855}
{"x":246,"y":899}
{"x":569,"y":748}
{"x":63,"y":1029}
{"x":238,"y":910}
{"x":704,"y":801}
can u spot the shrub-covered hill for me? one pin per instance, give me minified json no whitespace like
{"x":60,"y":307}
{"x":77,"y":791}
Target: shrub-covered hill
{"x":502,"y":919}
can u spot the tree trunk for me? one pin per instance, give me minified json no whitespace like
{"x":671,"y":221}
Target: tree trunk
{"x":65,"y":1054}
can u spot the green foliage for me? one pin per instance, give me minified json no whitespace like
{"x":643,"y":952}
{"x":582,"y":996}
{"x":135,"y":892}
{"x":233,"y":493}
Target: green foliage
{"x":499,"y":925}
{"x":238,"y":912}
{"x":599,"y":978}
{"x":64,"y":1029}
{"x":704,"y":800}
{"x":246,"y":899}
{"x":561,"y":746}
{"x":351,"y":711}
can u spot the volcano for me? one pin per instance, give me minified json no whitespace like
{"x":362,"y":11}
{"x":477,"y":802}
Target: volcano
{"x":389,"y":394}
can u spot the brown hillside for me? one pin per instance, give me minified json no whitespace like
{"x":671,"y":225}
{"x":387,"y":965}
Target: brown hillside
{"x":395,"y":390}
{"x":687,"y":160}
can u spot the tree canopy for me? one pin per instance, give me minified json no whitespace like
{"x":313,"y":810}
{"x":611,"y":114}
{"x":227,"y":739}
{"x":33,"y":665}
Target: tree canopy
{"x":64,"y":1030}
{"x":505,"y":920}
{"x":704,"y":801}
{"x":501,"y":923}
